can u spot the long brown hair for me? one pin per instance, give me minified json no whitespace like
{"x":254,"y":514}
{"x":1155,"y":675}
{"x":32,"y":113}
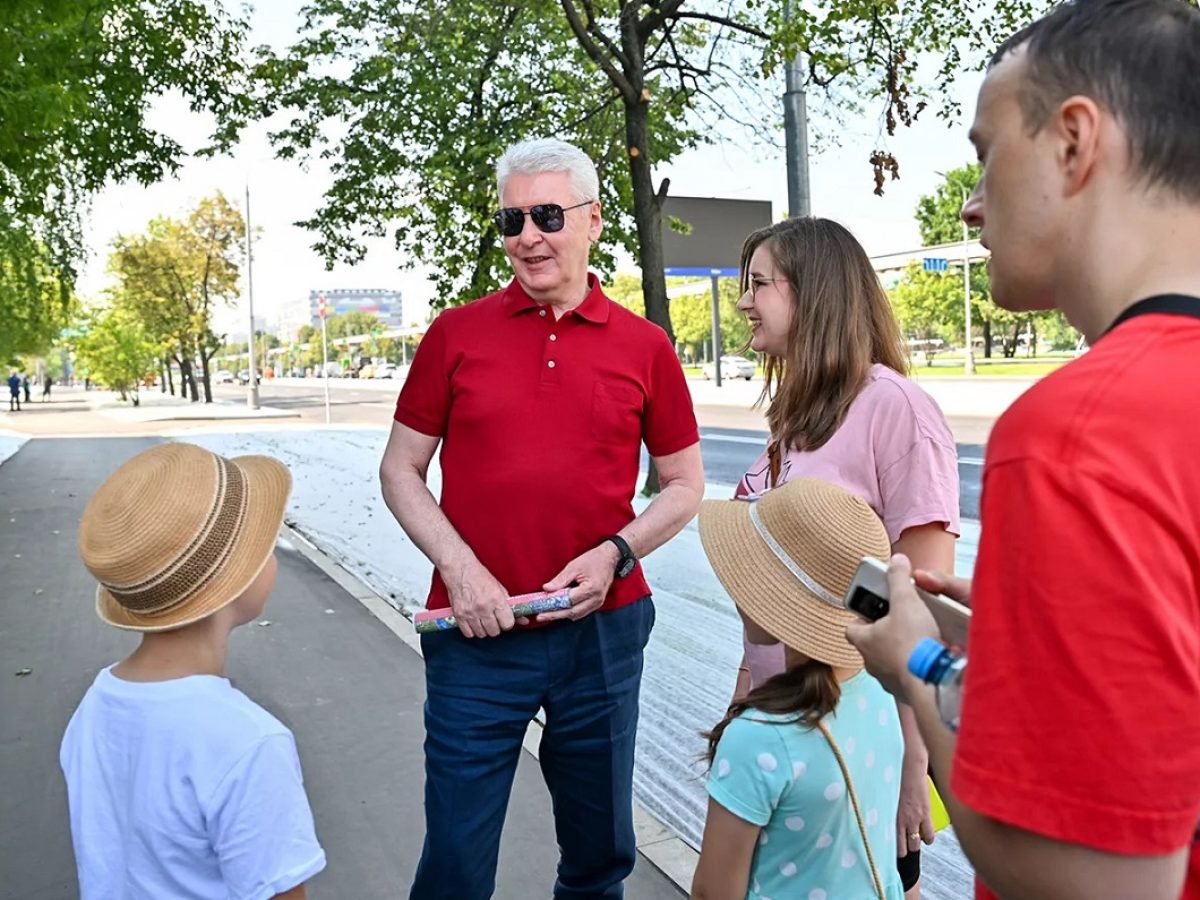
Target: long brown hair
{"x":842,"y":324}
{"x":808,"y":691}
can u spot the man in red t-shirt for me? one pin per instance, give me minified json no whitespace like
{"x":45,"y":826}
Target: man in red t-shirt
{"x":1076,"y":768}
{"x":540,"y":397}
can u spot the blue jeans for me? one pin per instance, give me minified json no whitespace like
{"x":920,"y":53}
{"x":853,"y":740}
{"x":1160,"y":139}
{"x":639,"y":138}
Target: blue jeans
{"x":480,"y":696}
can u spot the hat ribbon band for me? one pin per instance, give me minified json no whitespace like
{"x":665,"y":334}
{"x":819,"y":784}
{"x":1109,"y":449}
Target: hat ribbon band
{"x":790,"y":564}
{"x":200,"y":562}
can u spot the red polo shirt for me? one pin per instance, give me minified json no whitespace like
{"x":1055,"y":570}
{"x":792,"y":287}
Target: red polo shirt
{"x":1081,"y":710}
{"x":542,"y":422}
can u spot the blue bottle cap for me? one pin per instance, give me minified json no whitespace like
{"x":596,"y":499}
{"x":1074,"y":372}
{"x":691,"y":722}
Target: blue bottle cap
{"x":925,"y":656}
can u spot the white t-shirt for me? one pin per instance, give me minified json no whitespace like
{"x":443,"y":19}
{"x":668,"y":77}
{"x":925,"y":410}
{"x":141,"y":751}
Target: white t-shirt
{"x":184,"y":789}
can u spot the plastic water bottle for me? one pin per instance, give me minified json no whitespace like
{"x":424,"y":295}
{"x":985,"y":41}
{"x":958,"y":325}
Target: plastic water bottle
{"x":935,"y":663}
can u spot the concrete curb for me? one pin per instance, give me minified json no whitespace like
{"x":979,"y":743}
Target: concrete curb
{"x":655,"y":842}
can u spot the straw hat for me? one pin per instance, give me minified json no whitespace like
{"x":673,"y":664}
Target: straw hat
{"x":177,"y":533}
{"x":787,"y":560}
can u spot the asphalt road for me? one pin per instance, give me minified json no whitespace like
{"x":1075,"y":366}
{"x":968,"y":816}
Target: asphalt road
{"x":731,"y":438}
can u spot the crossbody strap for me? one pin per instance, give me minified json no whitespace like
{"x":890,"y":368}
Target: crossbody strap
{"x":1171,"y":304}
{"x":862,"y":827}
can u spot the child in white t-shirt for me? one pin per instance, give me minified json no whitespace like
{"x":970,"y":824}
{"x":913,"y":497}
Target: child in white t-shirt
{"x":179,"y":785}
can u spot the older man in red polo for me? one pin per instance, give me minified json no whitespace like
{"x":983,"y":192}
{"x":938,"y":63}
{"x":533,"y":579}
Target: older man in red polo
{"x":540,"y":396}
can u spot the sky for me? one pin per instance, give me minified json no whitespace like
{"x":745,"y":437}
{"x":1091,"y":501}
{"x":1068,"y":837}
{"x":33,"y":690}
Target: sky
{"x":282,"y":193}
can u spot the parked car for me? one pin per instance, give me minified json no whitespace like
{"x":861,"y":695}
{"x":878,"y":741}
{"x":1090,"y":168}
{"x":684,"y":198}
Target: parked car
{"x":224,"y":376}
{"x":385,"y":370}
{"x":243,"y":377}
{"x":367,"y":371}
{"x":731,"y":367}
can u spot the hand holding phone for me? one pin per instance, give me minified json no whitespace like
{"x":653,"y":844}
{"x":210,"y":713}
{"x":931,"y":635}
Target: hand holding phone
{"x":868,"y":596}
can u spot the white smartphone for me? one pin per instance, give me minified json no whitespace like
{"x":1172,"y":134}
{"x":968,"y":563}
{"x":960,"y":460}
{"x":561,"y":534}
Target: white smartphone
{"x":868,"y":596}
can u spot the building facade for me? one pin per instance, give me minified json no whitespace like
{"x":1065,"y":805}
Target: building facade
{"x":385,"y":304}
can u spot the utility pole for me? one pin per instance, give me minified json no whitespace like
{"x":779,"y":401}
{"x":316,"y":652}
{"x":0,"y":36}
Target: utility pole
{"x":969,"y":365}
{"x":795,"y":127}
{"x":252,"y":389}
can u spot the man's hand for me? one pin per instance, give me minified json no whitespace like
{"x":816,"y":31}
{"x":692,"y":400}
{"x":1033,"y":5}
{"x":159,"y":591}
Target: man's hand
{"x":887,"y":644}
{"x":479,"y":601}
{"x":589,"y":577}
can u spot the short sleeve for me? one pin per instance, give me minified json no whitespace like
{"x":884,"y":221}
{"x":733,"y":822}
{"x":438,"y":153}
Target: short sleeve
{"x":424,"y":401}
{"x":260,"y":823}
{"x":917,"y":466}
{"x":750,"y":771}
{"x":669,"y":422}
{"x":1081,"y":710}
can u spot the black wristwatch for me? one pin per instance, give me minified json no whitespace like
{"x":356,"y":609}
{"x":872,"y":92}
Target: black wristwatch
{"x":627,"y":561}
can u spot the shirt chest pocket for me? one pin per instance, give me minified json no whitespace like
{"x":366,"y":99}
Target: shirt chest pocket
{"x":616,"y":414}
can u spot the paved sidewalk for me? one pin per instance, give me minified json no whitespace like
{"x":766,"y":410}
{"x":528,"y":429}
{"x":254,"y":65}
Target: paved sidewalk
{"x":347,"y":686}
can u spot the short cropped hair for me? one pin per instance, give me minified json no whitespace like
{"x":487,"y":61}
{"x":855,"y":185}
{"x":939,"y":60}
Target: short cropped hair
{"x":1140,"y":59}
{"x":533,"y":157}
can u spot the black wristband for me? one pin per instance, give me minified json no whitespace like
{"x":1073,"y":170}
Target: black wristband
{"x":627,"y":561}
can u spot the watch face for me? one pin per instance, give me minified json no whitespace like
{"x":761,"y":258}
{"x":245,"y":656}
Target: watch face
{"x":626,"y":567}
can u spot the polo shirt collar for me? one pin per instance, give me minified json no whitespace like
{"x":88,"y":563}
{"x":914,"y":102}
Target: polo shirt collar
{"x":594,"y":307}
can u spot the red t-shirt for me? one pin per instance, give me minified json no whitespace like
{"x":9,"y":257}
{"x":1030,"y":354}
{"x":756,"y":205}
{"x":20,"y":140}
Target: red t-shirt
{"x":542,"y":422}
{"x":1081,"y":708}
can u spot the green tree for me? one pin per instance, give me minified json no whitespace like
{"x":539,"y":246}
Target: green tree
{"x":116,"y":350}
{"x":76,"y":85}
{"x":940,"y":222}
{"x":351,"y":324}
{"x":415,"y":150}
{"x":175,"y":274}
{"x":33,"y":309}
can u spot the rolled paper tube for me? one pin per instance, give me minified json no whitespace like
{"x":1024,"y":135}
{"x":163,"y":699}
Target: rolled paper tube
{"x":430,"y":620}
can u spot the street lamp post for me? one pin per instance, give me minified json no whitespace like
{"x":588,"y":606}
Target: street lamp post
{"x":969,"y":364}
{"x":252,"y":390}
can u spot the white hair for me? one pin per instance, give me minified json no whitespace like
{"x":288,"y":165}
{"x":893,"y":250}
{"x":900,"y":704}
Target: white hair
{"x":533,"y":157}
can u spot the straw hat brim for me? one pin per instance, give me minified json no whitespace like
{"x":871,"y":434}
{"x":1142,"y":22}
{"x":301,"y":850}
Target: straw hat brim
{"x":268,"y":485}
{"x":770,"y":595}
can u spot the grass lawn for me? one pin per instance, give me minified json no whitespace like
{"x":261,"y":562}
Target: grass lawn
{"x":1025,"y":368}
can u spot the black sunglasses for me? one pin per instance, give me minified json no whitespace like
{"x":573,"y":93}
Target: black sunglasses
{"x":548,"y":217}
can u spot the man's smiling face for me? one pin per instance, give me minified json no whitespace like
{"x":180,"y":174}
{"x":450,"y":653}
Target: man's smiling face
{"x":551,"y":267}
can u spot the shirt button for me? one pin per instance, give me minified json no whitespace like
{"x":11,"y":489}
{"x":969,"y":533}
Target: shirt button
{"x":542,"y":313}
{"x":550,"y":364}
{"x":554,"y":337}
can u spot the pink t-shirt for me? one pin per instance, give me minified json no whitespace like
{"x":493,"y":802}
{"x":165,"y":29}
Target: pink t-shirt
{"x":894,"y":450}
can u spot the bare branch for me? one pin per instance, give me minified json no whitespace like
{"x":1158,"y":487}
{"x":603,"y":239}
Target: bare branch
{"x":597,"y":32}
{"x":620,"y":82}
{"x":653,"y":21}
{"x":728,"y":23}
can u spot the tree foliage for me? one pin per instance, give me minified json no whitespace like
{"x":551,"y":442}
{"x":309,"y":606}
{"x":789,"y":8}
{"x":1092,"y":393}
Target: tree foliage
{"x":116,"y":349}
{"x":175,"y":274}
{"x":932,"y":303}
{"x":414,"y":102}
{"x":76,"y":82}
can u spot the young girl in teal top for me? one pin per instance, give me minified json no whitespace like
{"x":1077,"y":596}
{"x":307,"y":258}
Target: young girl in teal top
{"x":805,"y":771}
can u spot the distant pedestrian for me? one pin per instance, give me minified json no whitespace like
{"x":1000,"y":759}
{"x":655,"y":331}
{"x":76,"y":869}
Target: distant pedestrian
{"x":46,"y":388}
{"x":25,"y":385}
{"x":547,"y":362}
{"x":178,"y":784}
{"x":14,"y":392}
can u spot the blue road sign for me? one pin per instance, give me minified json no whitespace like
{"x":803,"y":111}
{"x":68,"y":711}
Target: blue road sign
{"x":935,"y":264}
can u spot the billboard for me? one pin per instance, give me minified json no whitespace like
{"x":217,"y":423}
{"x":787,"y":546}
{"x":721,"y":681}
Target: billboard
{"x":719,"y":226}
{"x":387,"y":305}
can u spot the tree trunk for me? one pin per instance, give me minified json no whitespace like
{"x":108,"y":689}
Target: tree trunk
{"x":1032,"y":336}
{"x":187,"y":380}
{"x":647,"y":213}
{"x":163,"y":375}
{"x":987,"y":339}
{"x":207,"y":381}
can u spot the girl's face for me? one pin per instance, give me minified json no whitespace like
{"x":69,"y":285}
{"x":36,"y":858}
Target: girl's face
{"x":767,"y":304}
{"x":754,"y":634}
